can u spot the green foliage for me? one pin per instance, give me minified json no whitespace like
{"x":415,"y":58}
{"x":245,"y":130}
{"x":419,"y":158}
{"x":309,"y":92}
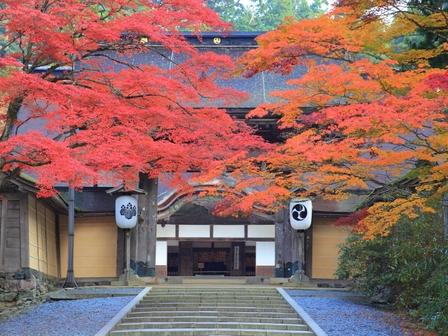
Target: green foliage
{"x":235,"y":12}
{"x":429,"y":37}
{"x":408,"y":268}
{"x":272,"y":13}
{"x":262,"y":15}
{"x":434,"y":305}
{"x":366,"y":262}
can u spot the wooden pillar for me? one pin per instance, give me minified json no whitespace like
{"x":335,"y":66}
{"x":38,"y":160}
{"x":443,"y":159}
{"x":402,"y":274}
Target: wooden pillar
{"x":279,"y":243}
{"x":237,"y":260}
{"x":145,"y":235}
{"x":286,"y":245}
{"x":308,"y":251}
{"x":185,"y":258}
{"x":121,"y":245}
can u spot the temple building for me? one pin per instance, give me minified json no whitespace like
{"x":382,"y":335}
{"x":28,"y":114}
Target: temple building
{"x":188,"y":240}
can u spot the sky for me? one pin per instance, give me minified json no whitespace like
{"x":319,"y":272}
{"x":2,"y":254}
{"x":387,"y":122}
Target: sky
{"x":246,"y":2}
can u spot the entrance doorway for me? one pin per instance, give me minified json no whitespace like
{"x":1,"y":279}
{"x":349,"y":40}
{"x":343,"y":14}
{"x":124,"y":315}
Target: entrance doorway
{"x":211,"y":259}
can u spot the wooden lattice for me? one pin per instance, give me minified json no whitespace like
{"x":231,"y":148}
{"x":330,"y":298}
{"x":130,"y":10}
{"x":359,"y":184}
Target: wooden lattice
{"x":212,"y":256}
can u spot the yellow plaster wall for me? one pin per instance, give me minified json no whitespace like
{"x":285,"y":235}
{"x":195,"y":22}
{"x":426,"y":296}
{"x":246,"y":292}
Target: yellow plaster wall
{"x":326,"y":238}
{"x":95,"y":247}
{"x":42,"y":238}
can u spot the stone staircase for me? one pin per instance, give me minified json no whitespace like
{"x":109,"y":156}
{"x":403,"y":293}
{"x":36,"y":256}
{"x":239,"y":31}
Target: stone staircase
{"x":211,"y":311}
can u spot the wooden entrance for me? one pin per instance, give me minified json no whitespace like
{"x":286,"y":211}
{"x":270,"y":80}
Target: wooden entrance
{"x":216,"y":259}
{"x":211,"y":261}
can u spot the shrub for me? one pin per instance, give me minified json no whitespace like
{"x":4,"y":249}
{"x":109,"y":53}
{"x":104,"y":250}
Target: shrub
{"x":407,"y":268}
{"x":434,"y":304}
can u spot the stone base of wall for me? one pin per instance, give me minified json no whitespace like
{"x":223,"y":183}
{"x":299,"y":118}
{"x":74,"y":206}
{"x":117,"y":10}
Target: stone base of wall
{"x":90,"y":282}
{"x":161,"y":271}
{"x":24,"y":287}
{"x":265,"y":271}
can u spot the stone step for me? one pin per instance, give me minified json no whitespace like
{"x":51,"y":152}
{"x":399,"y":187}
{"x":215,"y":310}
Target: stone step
{"x":213,"y":290}
{"x":242,"y":289}
{"x":201,"y":318}
{"x":193,"y":307}
{"x":205,"y":313}
{"x":209,"y":332}
{"x":210,"y":325}
{"x":253,"y":296}
{"x":261,"y":296}
{"x":176,"y":298}
{"x":210,"y":303}
{"x":223,"y":302}
{"x":216,"y":307}
{"x":213,"y":294}
{"x":218,"y":281}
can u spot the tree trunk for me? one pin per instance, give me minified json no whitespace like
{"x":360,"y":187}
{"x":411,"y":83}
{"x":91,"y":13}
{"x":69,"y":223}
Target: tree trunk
{"x":2,"y":175}
{"x":12,"y":112}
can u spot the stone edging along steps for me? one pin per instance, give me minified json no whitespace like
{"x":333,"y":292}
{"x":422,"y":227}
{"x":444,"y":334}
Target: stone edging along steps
{"x":250,"y":311}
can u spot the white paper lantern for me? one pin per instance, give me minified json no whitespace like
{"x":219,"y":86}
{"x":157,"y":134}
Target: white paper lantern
{"x":300,"y":213}
{"x":126,"y":212}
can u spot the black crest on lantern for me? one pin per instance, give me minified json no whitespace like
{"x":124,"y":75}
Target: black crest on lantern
{"x":128,"y":211}
{"x":299,"y":212}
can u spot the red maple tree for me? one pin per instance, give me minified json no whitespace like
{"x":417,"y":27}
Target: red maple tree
{"x":379,"y":120}
{"x":79,"y":107}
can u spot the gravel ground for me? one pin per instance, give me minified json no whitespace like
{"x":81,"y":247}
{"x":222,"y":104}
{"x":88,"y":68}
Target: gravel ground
{"x":337,"y":313}
{"x":82,"y":317}
{"x":350,"y":314}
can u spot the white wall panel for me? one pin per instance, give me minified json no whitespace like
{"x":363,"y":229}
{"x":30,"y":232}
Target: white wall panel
{"x":265,"y":254}
{"x":228,"y":231}
{"x":194,"y":231}
{"x":161,"y":253}
{"x":169,"y":231}
{"x":261,"y":231}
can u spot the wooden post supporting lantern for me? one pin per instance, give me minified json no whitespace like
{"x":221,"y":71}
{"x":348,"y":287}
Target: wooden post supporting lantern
{"x":70,"y":280}
{"x":300,"y":217}
{"x":126,"y":218}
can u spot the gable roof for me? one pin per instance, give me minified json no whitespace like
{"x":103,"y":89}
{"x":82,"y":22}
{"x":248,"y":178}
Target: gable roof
{"x":26,"y":184}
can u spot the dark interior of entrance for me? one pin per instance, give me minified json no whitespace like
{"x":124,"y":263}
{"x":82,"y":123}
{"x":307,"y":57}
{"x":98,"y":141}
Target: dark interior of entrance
{"x":211,"y":259}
